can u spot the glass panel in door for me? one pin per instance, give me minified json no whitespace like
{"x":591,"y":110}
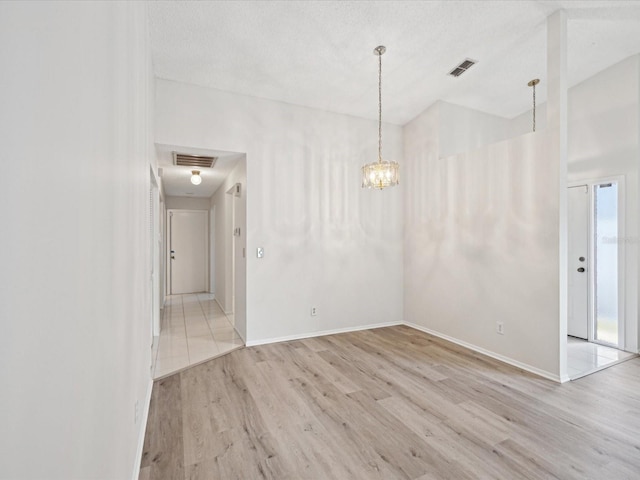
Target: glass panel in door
{"x":606,"y":262}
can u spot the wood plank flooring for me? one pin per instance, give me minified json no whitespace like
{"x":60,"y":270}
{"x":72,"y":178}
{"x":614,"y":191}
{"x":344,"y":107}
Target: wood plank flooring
{"x":389,"y":403}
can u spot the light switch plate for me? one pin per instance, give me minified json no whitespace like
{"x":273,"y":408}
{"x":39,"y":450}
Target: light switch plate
{"x":260,"y":252}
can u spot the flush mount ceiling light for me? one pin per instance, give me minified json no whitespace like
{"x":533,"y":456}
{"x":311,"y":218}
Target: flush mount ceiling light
{"x":382,"y":173}
{"x":196,"y":179}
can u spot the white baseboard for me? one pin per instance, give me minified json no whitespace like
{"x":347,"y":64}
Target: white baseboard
{"x":502,"y":358}
{"x":221,"y":307}
{"x":244,"y":340}
{"x":143,"y":430}
{"x":301,"y":336}
{"x":230,"y":313}
{"x":488,"y":353}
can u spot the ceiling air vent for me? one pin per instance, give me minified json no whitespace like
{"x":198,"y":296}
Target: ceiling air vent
{"x":193,"y":160}
{"x":463,"y":67}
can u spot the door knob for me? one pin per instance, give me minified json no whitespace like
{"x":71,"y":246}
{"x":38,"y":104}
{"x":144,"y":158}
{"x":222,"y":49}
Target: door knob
{"x":581,"y":259}
{"x":581,"y":269}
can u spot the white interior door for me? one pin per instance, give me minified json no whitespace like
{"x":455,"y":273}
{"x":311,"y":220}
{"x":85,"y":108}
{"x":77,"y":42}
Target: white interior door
{"x":578,"y":222}
{"x":188,"y":251}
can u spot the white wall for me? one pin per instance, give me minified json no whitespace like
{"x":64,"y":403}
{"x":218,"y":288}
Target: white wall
{"x":468,"y":129}
{"x":187,"y":203}
{"x":223,"y":204}
{"x":75,"y":333}
{"x":523,"y":123}
{"x":327,"y":242}
{"x":482,"y":239}
{"x":603,"y":141}
{"x":222,"y":247}
{"x":239,"y":206}
{"x":603,"y":125}
{"x":480,"y":245}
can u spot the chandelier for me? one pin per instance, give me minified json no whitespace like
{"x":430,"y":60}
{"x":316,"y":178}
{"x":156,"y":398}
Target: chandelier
{"x":382,"y":173}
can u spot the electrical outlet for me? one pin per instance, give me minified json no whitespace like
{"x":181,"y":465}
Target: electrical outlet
{"x":500,"y":328}
{"x":136,"y":412}
{"x":314,"y":311}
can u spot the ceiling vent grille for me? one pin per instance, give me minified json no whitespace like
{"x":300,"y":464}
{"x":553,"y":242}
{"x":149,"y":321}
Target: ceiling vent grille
{"x":463,"y":67}
{"x":193,"y":160}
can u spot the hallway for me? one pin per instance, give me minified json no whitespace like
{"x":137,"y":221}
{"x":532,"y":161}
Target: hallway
{"x":194,"y":329}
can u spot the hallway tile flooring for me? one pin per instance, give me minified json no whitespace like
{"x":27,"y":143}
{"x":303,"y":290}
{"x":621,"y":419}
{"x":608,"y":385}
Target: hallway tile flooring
{"x":584,"y":358}
{"x":194,"y":329}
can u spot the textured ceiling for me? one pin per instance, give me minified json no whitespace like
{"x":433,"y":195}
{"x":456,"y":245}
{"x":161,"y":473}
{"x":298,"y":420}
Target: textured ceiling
{"x":320,"y":53}
{"x":176,"y":180}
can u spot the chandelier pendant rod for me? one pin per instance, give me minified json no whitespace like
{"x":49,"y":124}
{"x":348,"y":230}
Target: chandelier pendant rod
{"x":380,"y":174}
{"x":533,"y":84}
{"x":380,"y":104}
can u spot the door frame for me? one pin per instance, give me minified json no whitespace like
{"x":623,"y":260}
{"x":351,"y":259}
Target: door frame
{"x":155,"y":245}
{"x":170,"y":212}
{"x":591,"y":182}
{"x":236,"y":229}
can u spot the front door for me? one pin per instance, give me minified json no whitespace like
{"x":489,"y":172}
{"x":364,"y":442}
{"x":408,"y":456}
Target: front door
{"x":578,"y":222}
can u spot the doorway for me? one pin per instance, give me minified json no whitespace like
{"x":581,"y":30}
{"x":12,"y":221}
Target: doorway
{"x":596,"y":261}
{"x":595,"y":277}
{"x":188,"y":251}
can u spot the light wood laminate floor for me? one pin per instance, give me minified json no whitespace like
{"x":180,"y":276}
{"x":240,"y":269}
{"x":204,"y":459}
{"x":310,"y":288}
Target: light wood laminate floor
{"x":389,"y":403}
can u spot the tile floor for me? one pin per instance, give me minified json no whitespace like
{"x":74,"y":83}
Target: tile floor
{"x":194,"y":329}
{"x":584,"y":358}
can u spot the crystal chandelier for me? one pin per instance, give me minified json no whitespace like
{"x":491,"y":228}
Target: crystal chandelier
{"x":382,"y":173}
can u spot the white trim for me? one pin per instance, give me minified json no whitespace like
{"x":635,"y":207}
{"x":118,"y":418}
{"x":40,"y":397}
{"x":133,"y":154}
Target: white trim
{"x":234,"y":325}
{"x":143,"y":431}
{"x":488,"y":353}
{"x":221,"y":307}
{"x":620,"y":180}
{"x":321,"y":333}
{"x":542,"y":373}
{"x":240,"y":335}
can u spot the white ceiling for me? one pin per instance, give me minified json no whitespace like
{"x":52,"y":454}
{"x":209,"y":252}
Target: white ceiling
{"x":320,"y":53}
{"x":176,"y":180}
